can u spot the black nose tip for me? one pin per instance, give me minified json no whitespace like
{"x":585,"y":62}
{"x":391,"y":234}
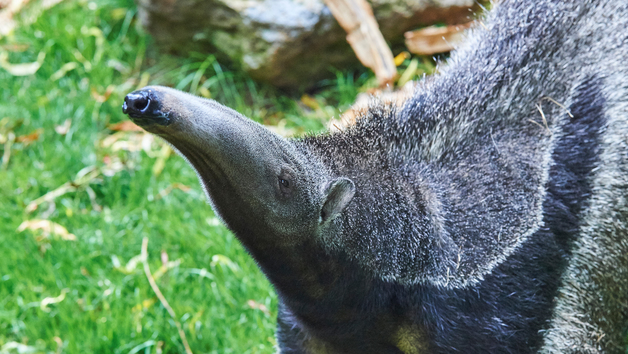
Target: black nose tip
{"x":136,"y":102}
{"x":144,"y":107}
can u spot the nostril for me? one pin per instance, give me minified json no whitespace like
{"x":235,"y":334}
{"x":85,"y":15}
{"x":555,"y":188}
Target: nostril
{"x":145,"y":106}
{"x":141,"y":104}
{"x":138,"y":102}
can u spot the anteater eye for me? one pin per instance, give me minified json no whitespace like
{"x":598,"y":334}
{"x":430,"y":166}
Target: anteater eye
{"x":285,"y":182}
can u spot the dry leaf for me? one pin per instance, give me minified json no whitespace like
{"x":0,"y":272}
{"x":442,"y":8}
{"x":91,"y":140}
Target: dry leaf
{"x":52,"y":300}
{"x":310,"y":102}
{"x":14,"y":47}
{"x":47,"y":227}
{"x":193,"y":321}
{"x":112,"y":139}
{"x":104,"y":97}
{"x":129,"y":141}
{"x":213,"y":221}
{"x":432,"y":40}
{"x":92,"y":198}
{"x":85,"y":272}
{"x":224,"y":261}
{"x":21,"y":69}
{"x":182,"y":187}
{"x":87,"y":65}
{"x":7,"y":12}
{"x":59,"y":342}
{"x":170,"y":188}
{"x":129,"y":268}
{"x":8,"y":9}
{"x":164,"y":268}
{"x":29,"y":138}
{"x":112,"y":166}
{"x":203,"y":91}
{"x":100,"y":40}
{"x":8,"y":347}
{"x":67,"y":67}
{"x":64,"y":128}
{"x":6,"y":156}
{"x":146,"y":304}
{"x":83,"y":178}
{"x":164,"y":258}
{"x":257,"y":306}
{"x":50,"y":196}
{"x":125,"y":126}
{"x":119,"y":66}
{"x":281,"y":129}
{"x":409,"y":73}
{"x":159,"y":348}
{"x":401,"y":57}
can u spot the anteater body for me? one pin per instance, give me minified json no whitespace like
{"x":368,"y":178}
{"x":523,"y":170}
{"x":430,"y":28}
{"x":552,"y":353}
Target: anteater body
{"x":488,"y":215}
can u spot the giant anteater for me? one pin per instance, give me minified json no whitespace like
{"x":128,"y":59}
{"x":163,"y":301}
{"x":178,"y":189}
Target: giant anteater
{"x":488,"y":215}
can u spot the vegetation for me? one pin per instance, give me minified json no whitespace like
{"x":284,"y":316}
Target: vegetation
{"x":80,"y":189}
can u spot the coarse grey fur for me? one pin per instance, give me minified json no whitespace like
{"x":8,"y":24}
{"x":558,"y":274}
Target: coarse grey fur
{"x":488,"y":214}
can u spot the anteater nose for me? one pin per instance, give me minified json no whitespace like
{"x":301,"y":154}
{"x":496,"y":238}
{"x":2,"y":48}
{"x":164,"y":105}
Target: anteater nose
{"x":137,"y":103}
{"x":145,"y":107}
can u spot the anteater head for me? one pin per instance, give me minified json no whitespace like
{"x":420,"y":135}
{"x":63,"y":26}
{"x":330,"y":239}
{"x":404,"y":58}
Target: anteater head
{"x":263,"y":186}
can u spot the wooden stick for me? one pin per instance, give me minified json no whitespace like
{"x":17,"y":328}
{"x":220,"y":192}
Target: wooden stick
{"x":364,"y":36}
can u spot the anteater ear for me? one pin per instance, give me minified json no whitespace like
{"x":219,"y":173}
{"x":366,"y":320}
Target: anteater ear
{"x":338,"y":194}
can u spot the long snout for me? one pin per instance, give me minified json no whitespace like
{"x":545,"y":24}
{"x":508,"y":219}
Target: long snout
{"x":236,"y":158}
{"x":202,"y":128}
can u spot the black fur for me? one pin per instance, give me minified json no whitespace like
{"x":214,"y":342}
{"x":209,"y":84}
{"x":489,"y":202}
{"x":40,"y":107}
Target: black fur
{"x":508,"y":310}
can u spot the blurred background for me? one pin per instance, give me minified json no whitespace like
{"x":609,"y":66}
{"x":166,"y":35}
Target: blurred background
{"x":81,"y":187}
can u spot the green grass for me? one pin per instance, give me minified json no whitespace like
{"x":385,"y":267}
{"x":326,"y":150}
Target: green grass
{"x":89,"y":295}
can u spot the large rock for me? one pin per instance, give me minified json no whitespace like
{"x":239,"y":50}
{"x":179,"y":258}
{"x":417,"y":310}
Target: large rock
{"x":289,"y":43}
